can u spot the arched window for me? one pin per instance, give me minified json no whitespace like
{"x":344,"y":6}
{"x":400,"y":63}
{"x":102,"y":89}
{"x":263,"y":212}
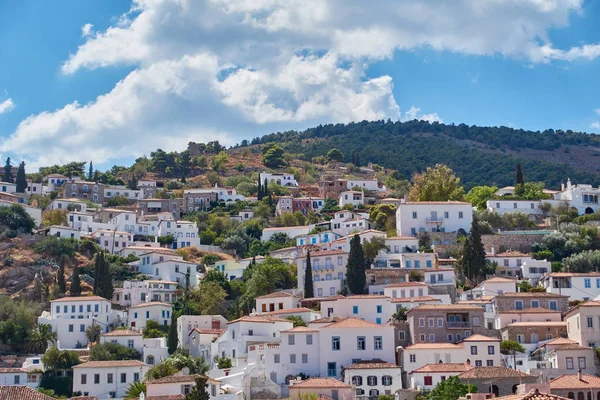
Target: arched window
{"x":96,"y":188}
{"x":357,"y":380}
{"x":372,"y":380}
{"x":150,"y":360}
{"x":495,"y":390}
{"x":84,"y":188}
{"x":197,"y":200}
{"x":580,"y":396}
{"x":386,"y":380}
{"x":74,"y":187}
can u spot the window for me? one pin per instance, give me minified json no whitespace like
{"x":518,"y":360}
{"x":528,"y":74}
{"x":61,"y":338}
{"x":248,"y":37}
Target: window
{"x":291,"y":340}
{"x":354,"y":309}
{"x":535,"y":304}
{"x":386,"y":380}
{"x":440,"y":322}
{"x":431,"y":322}
{"x":475,"y":321}
{"x":490,"y":363}
{"x":304,"y":358}
{"x":422,"y":337}
{"x":422,"y":322}
{"x":414,"y":215}
{"x":428,"y":380}
{"x":401,"y":335}
{"x":379,"y":309}
{"x":361,"y":343}
{"x":83,"y":379}
{"x":331,"y":368}
{"x":473,"y":350}
{"x":570,"y":363}
{"x":17,"y":379}
{"x":590,"y":322}
{"x":432,"y":337}
{"x":581,"y":362}
{"x":491,"y":350}
{"x":460,"y":214}
{"x":478,"y":363}
{"x":123,"y":378}
{"x":413,"y":358}
{"x":309,"y":339}
{"x":428,"y":264}
{"x":335,"y":343}
{"x":276,"y":358}
{"x":70,"y":328}
{"x":292,"y":359}
{"x":521,"y":338}
{"x":378,"y":341}
{"x":372,"y":380}
{"x":518,"y":304}
{"x":553,"y":305}
{"x":587,"y":283}
{"x":96,"y":379}
{"x":357,"y":380}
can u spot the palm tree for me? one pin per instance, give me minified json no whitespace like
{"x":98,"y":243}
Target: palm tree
{"x":135,"y":389}
{"x":38,"y":339}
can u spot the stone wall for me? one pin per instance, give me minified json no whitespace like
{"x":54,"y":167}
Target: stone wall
{"x":511,"y":332}
{"x":508,"y":303}
{"x":506,"y":242}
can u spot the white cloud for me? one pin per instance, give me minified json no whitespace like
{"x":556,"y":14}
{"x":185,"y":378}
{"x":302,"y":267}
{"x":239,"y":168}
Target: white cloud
{"x":415,"y":113}
{"x":597,"y":111}
{"x":595,"y":125}
{"x":6,"y":106}
{"x":232,"y":69}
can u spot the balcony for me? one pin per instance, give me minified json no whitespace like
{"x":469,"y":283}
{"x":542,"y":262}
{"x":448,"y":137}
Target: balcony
{"x":434,"y":220}
{"x":458,"y":324}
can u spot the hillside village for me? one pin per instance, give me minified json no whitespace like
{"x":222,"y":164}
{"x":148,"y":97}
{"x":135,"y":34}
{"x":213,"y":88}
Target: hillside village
{"x":254,"y":273}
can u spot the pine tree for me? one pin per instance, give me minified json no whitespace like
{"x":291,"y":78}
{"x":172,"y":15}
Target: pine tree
{"x":199,"y":391}
{"x":21,"y":180}
{"x":8,"y":176}
{"x":172,"y":338}
{"x":519,"y":182}
{"x":75,"y":282}
{"x":259,"y":193}
{"x":309,"y":291}
{"x":96,"y":175}
{"x":355,"y":270}
{"x":91,"y":172}
{"x":474,"y":264}
{"x":266,"y":188}
{"x":60,"y":276}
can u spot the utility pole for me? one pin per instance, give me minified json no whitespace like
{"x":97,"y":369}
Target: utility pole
{"x":112,"y":251}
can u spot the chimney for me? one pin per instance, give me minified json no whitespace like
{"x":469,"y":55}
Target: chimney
{"x":562,"y":186}
{"x":407,"y":277}
{"x":493,"y":251}
{"x":579,"y":375}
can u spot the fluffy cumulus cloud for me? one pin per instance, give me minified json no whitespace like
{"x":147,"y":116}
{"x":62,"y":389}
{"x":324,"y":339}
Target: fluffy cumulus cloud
{"x":232,"y":69}
{"x":6,"y":106}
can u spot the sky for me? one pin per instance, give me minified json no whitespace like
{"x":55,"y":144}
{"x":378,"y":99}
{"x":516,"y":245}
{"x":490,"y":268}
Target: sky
{"x":110,"y":81}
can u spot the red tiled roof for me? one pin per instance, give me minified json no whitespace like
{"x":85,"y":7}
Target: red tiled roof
{"x":367,"y":296}
{"x":152,"y":303}
{"x":180,"y":379}
{"x":104,"y":364}
{"x":447,"y":307}
{"x":300,"y":329}
{"x":326,"y":320}
{"x":275,"y":295}
{"x":260,"y":319}
{"x":530,"y":294}
{"x":420,"y":346}
{"x":417,"y":299}
{"x":480,"y":338}
{"x":372,"y":364}
{"x":288,"y":311}
{"x":320,"y":383}
{"x":573,"y":382}
{"x":123,"y":332}
{"x":532,"y":395}
{"x":538,"y":310}
{"x":353,"y":323}
{"x":11,"y":370}
{"x":79,"y":298}
{"x":405,"y":284}
{"x":451,"y":367}
{"x":492,"y":373}
{"x":207,"y":331}
{"x":21,"y":393}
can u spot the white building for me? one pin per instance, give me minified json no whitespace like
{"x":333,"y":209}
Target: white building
{"x":353,"y":197}
{"x":281,"y":179}
{"x":64,"y":232}
{"x":107,"y":379}
{"x":153,"y":350}
{"x":34,"y":212}
{"x":317,"y":238}
{"x":69,"y":317}
{"x":365,"y":184}
{"x":67,"y":204}
{"x":530,"y":207}
{"x":328,"y":271}
{"x":490,"y":287}
{"x":413,"y":218}
{"x":372,"y":378}
{"x":123,"y":191}
{"x":169,"y":268}
{"x":277,"y":301}
{"x":187,"y":323}
{"x":428,"y":376}
{"x":171,"y":386}
{"x":583,"y":323}
{"x":139,"y":315}
{"x":373,"y":308}
{"x":291,"y":231}
{"x":112,"y":241}
{"x":232,"y":268}
{"x":578,"y":286}
{"x":284,"y":205}
{"x":20,"y":377}
{"x":185,"y":233}
{"x":583,"y":197}
{"x":137,"y":292}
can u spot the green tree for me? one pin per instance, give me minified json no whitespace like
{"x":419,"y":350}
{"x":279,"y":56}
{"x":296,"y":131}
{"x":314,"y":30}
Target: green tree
{"x":473,"y":260}
{"x":21,"y":180}
{"x":519,"y":182}
{"x":16,"y":218}
{"x":60,"y":276}
{"x":103,"y":283}
{"x":450,"y":389}
{"x":424,"y":241}
{"x":335,"y":155}
{"x":479,"y":196}
{"x":199,"y":391}
{"x":273,"y":157}
{"x":511,"y":348}
{"x":55,"y":359}
{"x":113,"y":351}
{"x":38,"y":339}
{"x":371,"y":249}
{"x":93,"y":332}
{"x":75,"y":289}
{"x":8,"y":176}
{"x":436,"y":184}
{"x":223,"y":362}
{"x":185,"y":164}
{"x":135,"y":389}
{"x":356,"y":279}
{"x":297,"y":321}
{"x":172,"y":337}
{"x":90,"y":175}
{"x":208,"y":299}
{"x":54,"y":217}
{"x":309,"y":291}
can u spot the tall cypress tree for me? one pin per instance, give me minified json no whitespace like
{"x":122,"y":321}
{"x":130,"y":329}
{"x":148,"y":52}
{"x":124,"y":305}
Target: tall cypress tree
{"x":60,"y":276}
{"x":75,"y":282}
{"x":8,"y":176}
{"x":91,"y":172}
{"x":259,"y":193}
{"x":309,"y":291}
{"x":172,"y":338}
{"x":519,"y":182}
{"x":266,"y":188}
{"x":356,"y":277}
{"x":21,"y":180}
{"x":474,"y":264}
{"x":97,"y":273}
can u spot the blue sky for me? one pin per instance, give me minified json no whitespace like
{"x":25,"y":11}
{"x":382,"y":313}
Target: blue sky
{"x":113,"y":80}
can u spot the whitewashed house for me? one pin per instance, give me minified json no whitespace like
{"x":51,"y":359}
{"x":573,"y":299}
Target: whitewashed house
{"x":187,"y":323}
{"x":373,"y":308}
{"x":140,"y":314}
{"x":328,"y":271}
{"x":107,"y":379}
{"x":353,"y":197}
{"x":64,"y":232}
{"x":413,"y":218}
{"x":137,"y":292}
{"x":372,"y":378}
{"x":578,"y":286}
{"x":281,"y":179}
{"x":277,"y":301}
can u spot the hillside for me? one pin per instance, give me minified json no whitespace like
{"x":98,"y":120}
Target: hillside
{"x":479,"y":155}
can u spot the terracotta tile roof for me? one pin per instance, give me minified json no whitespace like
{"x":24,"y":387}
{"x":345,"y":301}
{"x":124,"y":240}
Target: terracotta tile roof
{"x":79,"y":298}
{"x":426,"y":346}
{"x":560,"y":341}
{"x":530,"y":294}
{"x":532,"y":395}
{"x":574,"y":346}
{"x":405,"y":284}
{"x":508,"y":254}
{"x":166,"y":397}
{"x":573,"y":382}
{"x":445,"y":307}
{"x":402,"y":238}
{"x":322,"y":253}
{"x":320,"y":383}
{"x":180,"y":379}
{"x":105,"y":364}
{"x":434,"y":202}
{"x":11,"y":370}
{"x":417,"y":299}
{"x":21,"y":393}
{"x":480,"y":338}
{"x":207,"y":331}
{"x":367,"y":296}
{"x":372,"y":364}
{"x":538,"y":310}
{"x":288,"y":311}
{"x":498,"y":279}
{"x":589,"y":303}
{"x":540,"y":323}
{"x":326,"y":320}
{"x":492,"y":373}
{"x":275,"y":295}
{"x":83,"y":398}
{"x":451,"y":367}
{"x":300,"y":329}
{"x":122,"y":332}
{"x":260,"y":319}
{"x":353,"y":323}
{"x":571,"y":274}
{"x":152,"y":303}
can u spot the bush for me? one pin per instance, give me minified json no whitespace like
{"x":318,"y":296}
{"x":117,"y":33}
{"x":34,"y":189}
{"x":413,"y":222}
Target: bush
{"x":16,"y":218}
{"x":55,"y":247}
{"x":113,"y":351}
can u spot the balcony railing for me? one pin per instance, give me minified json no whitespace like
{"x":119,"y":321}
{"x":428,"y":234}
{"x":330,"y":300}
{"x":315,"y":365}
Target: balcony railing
{"x":434,"y":220}
{"x":458,"y":324}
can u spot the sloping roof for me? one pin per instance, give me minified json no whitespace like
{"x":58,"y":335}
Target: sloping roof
{"x":180,"y":379}
{"x":152,"y":303}
{"x":300,"y":329}
{"x":480,"y":338}
{"x":417,"y":299}
{"x":571,"y":274}
{"x":560,"y":341}
{"x":275,"y":295}
{"x":367,"y":296}
{"x":105,"y":364}
{"x":426,"y":346}
{"x":405,"y":284}
{"x":589,"y":303}
{"x":539,"y":323}
{"x":372,"y":364}
{"x":288,"y":311}
{"x":446,"y":307}
{"x":320,"y":383}
{"x":439,"y":367}
{"x":207,"y":331}
{"x":508,"y":254}
{"x":492,"y":373}
{"x":573,"y":382}
{"x":122,"y":332}
{"x":530,"y":294}
{"x":260,"y":319}
{"x":79,"y":298}
{"x":498,"y":279}
{"x":353,"y":323}
{"x":21,"y":393}
{"x":532,"y":395}
{"x":326,"y":320}
{"x":538,"y":310}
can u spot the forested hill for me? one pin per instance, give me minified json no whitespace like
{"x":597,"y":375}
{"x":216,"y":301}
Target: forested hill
{"x":479,"y":155}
